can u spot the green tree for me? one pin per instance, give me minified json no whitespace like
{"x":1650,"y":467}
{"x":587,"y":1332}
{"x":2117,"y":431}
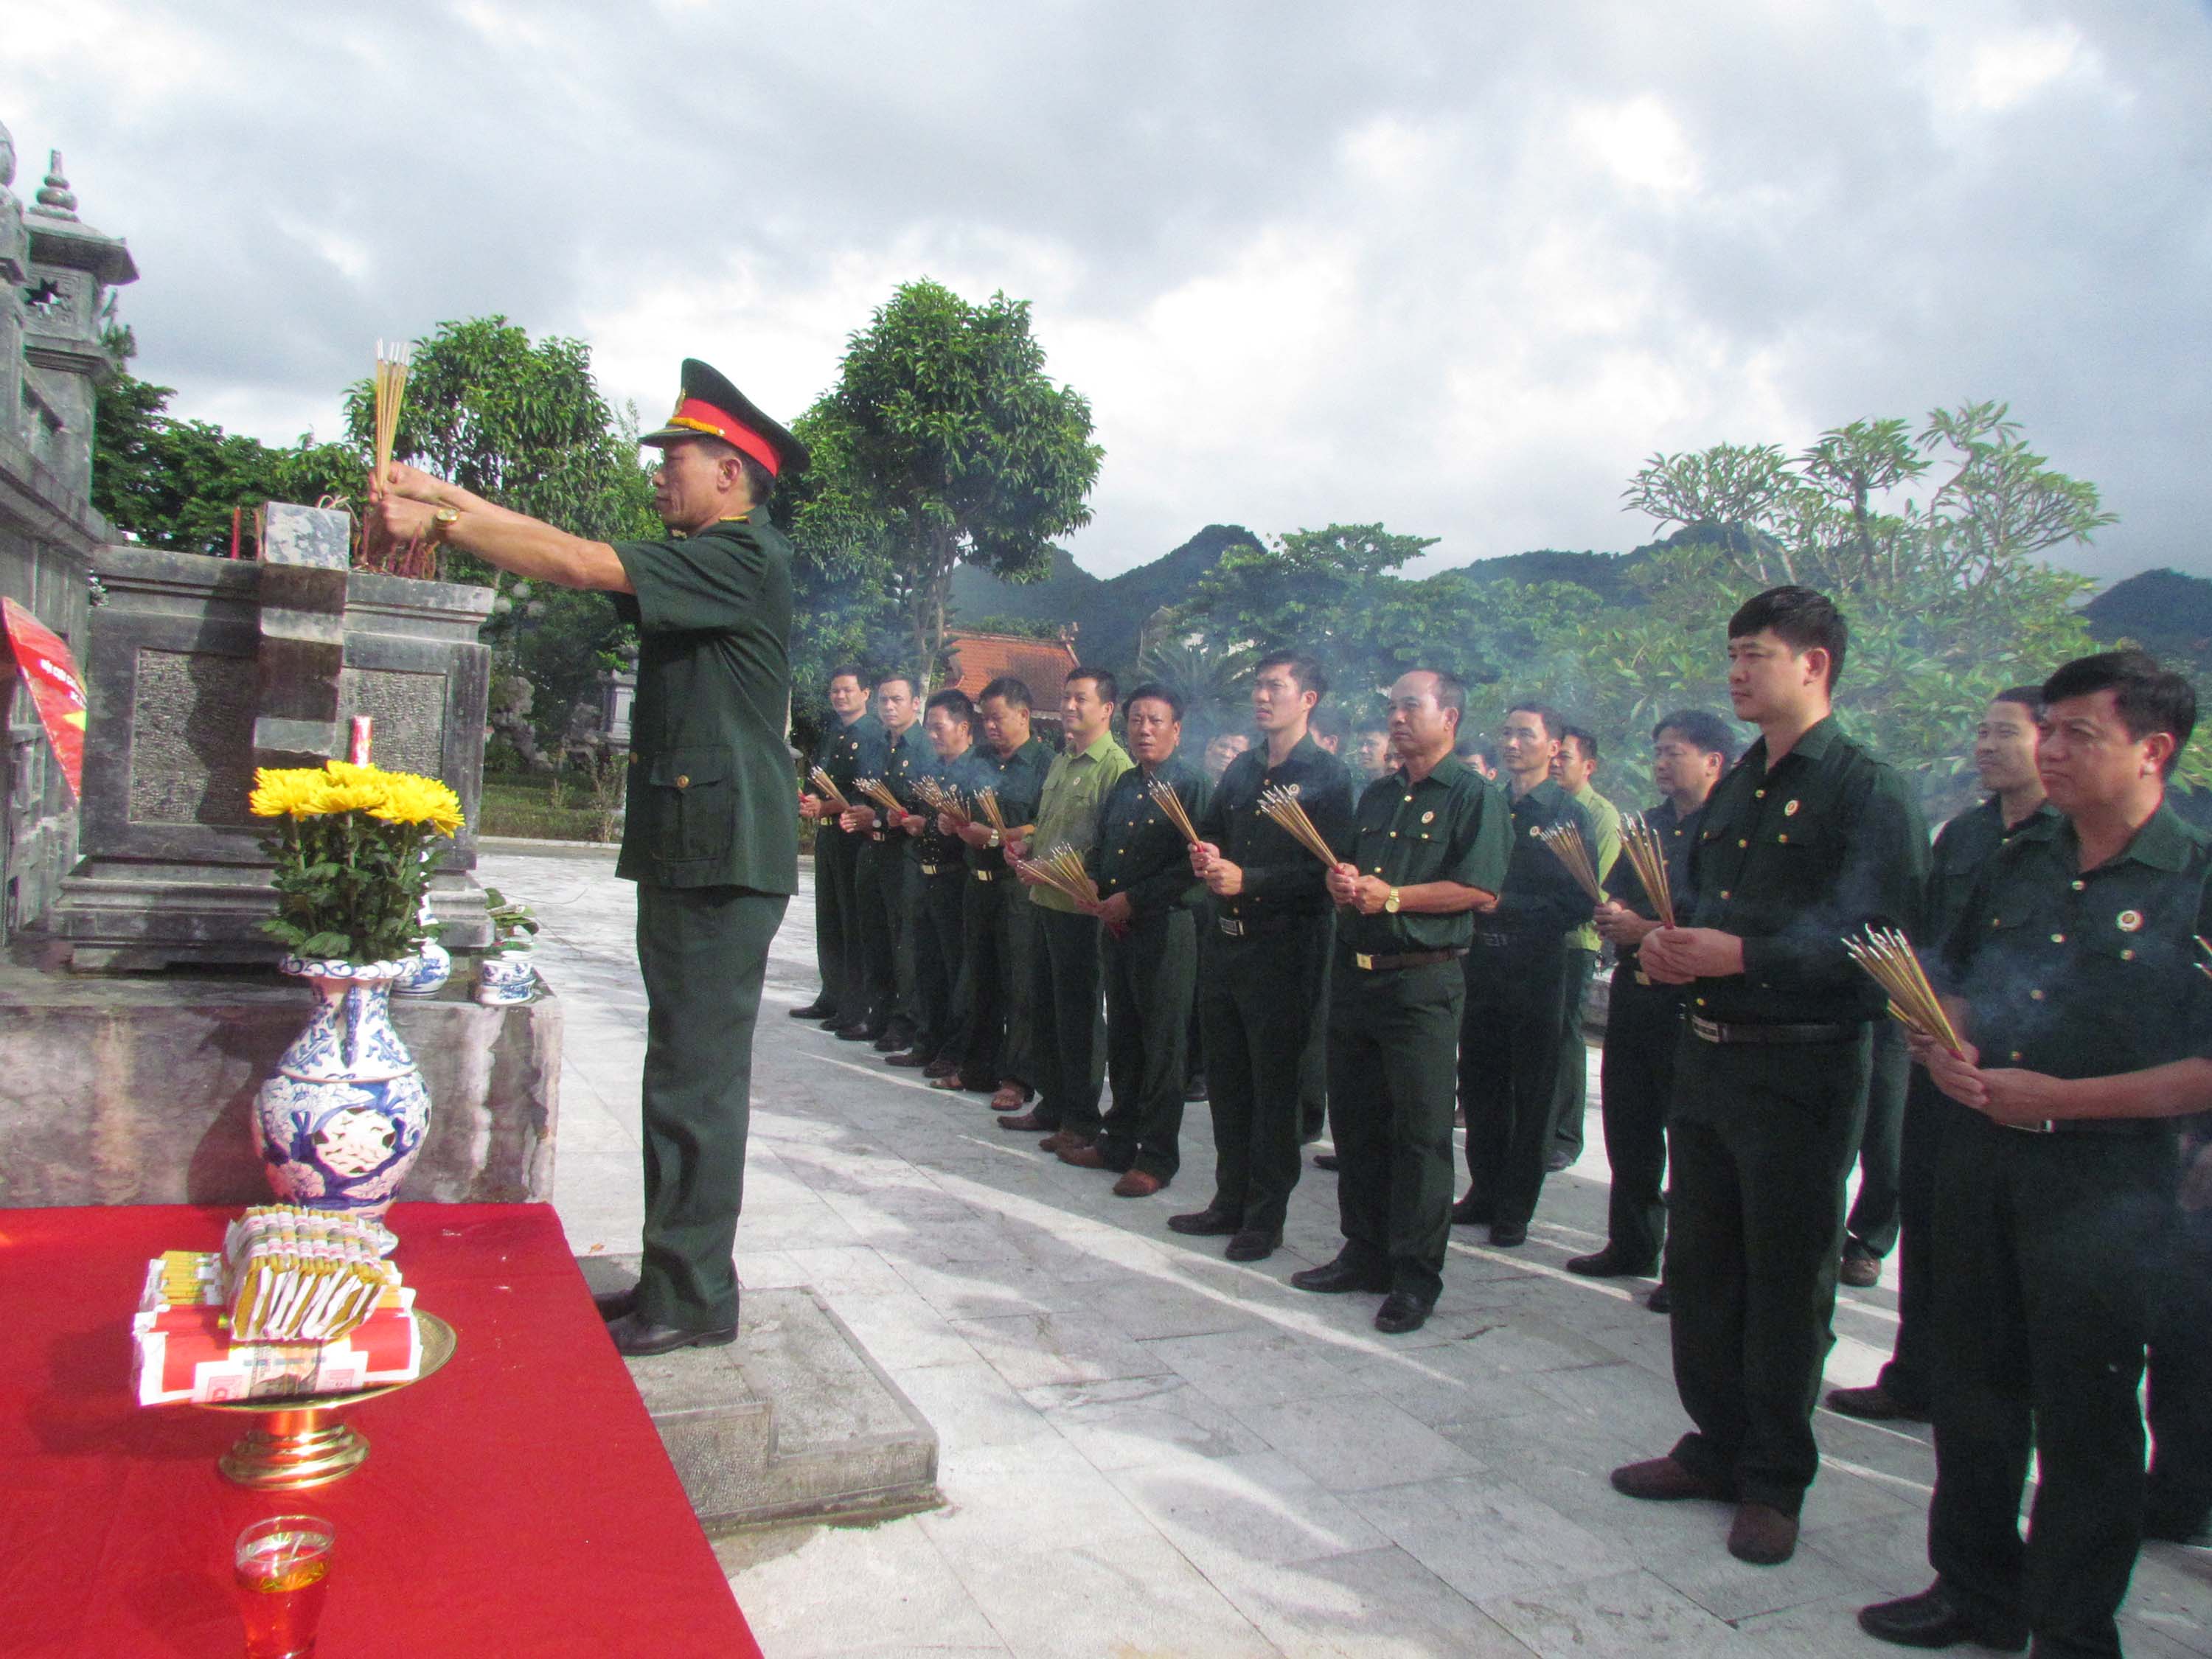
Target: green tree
{"x":944,"y":443}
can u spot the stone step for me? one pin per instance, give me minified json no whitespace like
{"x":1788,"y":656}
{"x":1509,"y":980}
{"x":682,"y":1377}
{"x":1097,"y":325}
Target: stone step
{"x":792,"y":1421}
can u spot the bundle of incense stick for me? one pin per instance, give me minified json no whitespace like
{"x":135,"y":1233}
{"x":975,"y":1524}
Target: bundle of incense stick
{"x":1567,"y":845}
{"x":881,"y":793}
{"x":1061,"y":868}
{"x":943,"y":801}
{"x":1887,"y":955}
{"x":828,"y":790}
{"x":391,"y":386}
{"x":989,"y":800}
{"x":1282,"y":806}
{"x":1648,"y":858}
{"x":1170,"y":804}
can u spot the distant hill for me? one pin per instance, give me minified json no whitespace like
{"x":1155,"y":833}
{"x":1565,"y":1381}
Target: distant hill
{"x":2164,"y":612}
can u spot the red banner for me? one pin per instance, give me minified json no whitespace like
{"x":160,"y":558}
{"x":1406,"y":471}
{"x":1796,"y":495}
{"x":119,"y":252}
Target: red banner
{"x":57,"y":688}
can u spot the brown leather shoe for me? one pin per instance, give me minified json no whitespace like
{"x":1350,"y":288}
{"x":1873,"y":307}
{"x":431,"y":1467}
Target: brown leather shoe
{"x":1137,"y":1184}
{"x":1662,"y":1480}
{"x":1028,"y":1123}
{"x":1860,"y":1272}
{"x":1762,"y":1535}
{"x":1083,"y":1157}
{"x":1064,"y":1140}
{"x":1875,"y":1403}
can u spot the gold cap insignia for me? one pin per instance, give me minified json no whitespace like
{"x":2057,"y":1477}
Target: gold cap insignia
{"x":2130,"y":922}
{"x":1790,"y":810}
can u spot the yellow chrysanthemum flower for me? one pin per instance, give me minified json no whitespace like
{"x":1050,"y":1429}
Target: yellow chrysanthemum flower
{"x":350,"y":795}
{"x":410,"y":799}
{"x":285,"y":793}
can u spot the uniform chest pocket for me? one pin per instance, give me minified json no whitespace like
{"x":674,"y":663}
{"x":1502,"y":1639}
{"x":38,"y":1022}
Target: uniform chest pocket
{"x":689,"y":797}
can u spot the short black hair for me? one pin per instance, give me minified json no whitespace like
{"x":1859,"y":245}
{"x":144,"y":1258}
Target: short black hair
{"x":883,"y":679}
{"x":1555,"y":723}
{"x":1378,"y":728}
{"x":2147,"y":695}
{"x":851,"y":670}
{"x":1152,"y":690}
{"x":1110,"y":688}
{"x":1801,"y":619}
{"x":1451,"y":693}
{"x":759,"y":481}
{"x":1015,"y":693}
{"x":953,"y":698}
{"x":1583,"y":736}
{"x":2029,"y":697}
{"x":1304,"y":668}
{"x":1703,"y":731}
{"x":1472,"y":747}
{"x":1329,"y":720}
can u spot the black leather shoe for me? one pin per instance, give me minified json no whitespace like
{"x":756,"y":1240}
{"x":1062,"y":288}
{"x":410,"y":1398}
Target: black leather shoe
{"x":1933,"y":1619}
{"x":835,"y":1022}
{"x":1207,"y":1223}
{"x":1508,"y":1235}
{"x":1470,"y":1211}
{"x":913,"y":1058}
{"x":1326,"y":1161}
{"x":1401,"y":1311}
{"x":1253,"y":1245}
{"x":616,"y":1304}
{"x":1195,"y":1090}
{"x":816,"y":1009}
{"x":1875,"y":1403}
{"x":1662,"y":1300}
{"x":1609,"y":1263}
{"x":638,"y":1338}
{"x":856,"y":1032}
{"x":1334,"y":1278}
{"x":893,"y":1040}
{"x":1557,"y":1159}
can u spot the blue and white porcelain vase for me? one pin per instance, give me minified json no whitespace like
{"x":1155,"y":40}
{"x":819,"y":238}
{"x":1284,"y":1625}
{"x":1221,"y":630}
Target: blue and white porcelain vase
{"x":341,"y":1121}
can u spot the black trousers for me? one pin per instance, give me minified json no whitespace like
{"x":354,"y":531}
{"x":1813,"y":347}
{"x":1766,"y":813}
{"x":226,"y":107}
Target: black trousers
{"x":2047,"y":1252}
{"x":703,"y":952}
{"x":2179,"y":1498}
{"x":879,"y":896}
{"x":1909,"y":1377}
{"x":1762,"y":1137}
{"x":1635,"y":1069}
{"x":1509,"y":1068}
{"x":1067,"y":1026}
{"x":837,"y":922}
{"x":996,"y":939}
{"x":1391,"y":1038}
{"x":1312,"y":1063}
{"x":1571,"y":1092}
{"x":1257,"y":1021}
{"x":1877,"y":1213}
{"x":1149,"y":975}
{"x":941,"y":990}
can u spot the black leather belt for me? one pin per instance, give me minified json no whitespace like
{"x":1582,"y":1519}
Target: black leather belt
{"x":1361,"y":960}
{"x":1771,"y":1035}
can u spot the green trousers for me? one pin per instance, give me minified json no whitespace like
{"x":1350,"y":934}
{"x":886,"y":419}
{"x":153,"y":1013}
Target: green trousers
{"x":1636,"y":1072}
{"x":940,"y":987}
{"x":1761,"y":1137}
{"x":1393,"y":1039}
{"x":1068,"y":1027}
{"x":997,"y":938}
{"x":1571,"y":1088}
{"x":1508,"y":1067}
{"x":836,"y":920}
{"x":1313,"y":1063}
{"x":879,"y":892}
{"x":703,"y":952}
{"x":1254,"y":1010}
{"x":1149,"y":973}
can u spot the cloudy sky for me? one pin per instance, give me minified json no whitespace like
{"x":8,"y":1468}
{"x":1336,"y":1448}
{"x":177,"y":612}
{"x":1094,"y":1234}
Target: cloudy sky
{"x":1459,"y":268}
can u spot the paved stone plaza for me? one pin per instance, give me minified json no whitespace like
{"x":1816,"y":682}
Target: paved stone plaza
{"x":1146,"y":1450}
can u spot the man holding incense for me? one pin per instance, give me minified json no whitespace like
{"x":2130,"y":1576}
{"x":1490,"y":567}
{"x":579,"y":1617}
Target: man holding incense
{"x":940,"y":883}
{"x":1808,"y":842}
{"x":710,"y":836}
{"x":1149,"y":955}
{"x":1574,"y":769}
{"x":1511,"y":1029}
{"x":880,"y":886}
{"x":849,"y":733}
{"x":1691,"y":750}
{"x":2005,"y":744}
{"x":1429,"y":848}
{"x":2085,"y":1023}
{"x":1271,"y":907}
{"x":1066,"y":1034}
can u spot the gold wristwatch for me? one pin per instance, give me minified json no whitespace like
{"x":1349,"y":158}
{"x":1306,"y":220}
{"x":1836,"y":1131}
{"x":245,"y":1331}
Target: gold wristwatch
{"x":1390,"y":905}
{"x":442,"y":524}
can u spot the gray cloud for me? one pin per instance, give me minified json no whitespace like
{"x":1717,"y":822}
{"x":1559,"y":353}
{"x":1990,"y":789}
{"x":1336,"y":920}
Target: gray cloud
{"x":1445,"y":266}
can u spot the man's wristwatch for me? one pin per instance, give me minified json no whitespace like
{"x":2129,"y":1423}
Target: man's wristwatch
{"x":1391,"y":904}
{"x":995,"y":838}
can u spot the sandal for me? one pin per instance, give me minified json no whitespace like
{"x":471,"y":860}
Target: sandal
{"x":1012,"y":1097}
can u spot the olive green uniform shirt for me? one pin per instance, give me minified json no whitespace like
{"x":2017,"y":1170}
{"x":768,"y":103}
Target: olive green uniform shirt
{"x":709,"y":800}
{"x":1067,"y":812}
{"x":1605,"y":823}
{"x":1017,"y":780}
{"x":1453,"y":825}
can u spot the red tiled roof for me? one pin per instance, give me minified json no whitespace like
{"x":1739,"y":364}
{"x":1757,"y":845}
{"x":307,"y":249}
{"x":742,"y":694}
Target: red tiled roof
{"x":1043,"y":666}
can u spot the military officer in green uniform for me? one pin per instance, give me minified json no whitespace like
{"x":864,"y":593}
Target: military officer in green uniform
{"x":1149,"y":954}
{"x":879,"y":886}
{"x":940,"y":875}
{"x":1516,"y":990}
{"x":2005,"y":744}
{"x":1806,"y":842}
{"x":1271,"y":910}
{"x":2073,"y":980}
{"x":1067,"y":1033}
{"x":711,"y":836}
{"x":1429,"y":848}
{"x":850,"y":728}
{"x":1574,"y":770}
{"x":997,"y":930}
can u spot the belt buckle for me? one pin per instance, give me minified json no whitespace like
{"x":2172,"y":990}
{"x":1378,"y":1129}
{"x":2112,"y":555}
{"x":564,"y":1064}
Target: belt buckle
{"x":1361,"y":959}
{"x":1643,"y":978}
{"x":1232,"y":927}
{"x":1709,"y":1030}
{"x":985,"y":875}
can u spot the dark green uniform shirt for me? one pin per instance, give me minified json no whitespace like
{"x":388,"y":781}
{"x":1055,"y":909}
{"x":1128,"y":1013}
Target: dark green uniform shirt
{"x":892,"y":762}
{"x":2087,"y":973}
{"x":1677,"y":833}
{"x":709,"y":801}
{"x":1453,"y":825}
{"x":1793,"y":859}
{"x":1962,"y":847}
{"x":1139,"y":851}
{"x":1281,"y":877}
{"x":1540,"y":900}
{"x":847,"y":744}
{"x":1018,"y":780}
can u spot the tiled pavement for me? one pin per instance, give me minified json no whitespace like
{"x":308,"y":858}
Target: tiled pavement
{"x":1147,"y":1450}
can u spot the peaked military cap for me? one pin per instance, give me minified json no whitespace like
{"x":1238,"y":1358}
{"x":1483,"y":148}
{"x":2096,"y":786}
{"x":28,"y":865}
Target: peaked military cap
{"x":709,"y":406}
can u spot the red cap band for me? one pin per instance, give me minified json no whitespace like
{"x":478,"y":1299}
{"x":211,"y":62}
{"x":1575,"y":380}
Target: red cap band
{"x":715,"y":422}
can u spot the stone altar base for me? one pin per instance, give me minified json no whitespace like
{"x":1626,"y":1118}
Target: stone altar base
{"x":124,"y":1091}
{"x":792,"y":1421}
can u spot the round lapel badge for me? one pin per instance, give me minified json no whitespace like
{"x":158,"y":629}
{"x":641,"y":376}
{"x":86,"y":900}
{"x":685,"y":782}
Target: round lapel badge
{"x":1428,"y":817}
{"x":1790,"y":810}
{"x":2130,"y":922}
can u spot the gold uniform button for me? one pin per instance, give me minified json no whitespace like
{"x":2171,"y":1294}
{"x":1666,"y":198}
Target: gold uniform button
{"x":2127,"y":956}
{"x":683,"y":781}
{"x":1759,"y":794}
{"x":2078,"y":885}
{"x":1724,"y":892}
{"x":2058,"y":938}
{"x":2035,"y":995}
{"x":2015,"y":1056}
{"x":1701,"y":1002}
{"x":1742,"y":843}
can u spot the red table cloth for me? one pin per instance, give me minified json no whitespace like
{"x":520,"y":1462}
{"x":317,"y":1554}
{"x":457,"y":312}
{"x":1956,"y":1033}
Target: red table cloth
{"x":517,"y":1503}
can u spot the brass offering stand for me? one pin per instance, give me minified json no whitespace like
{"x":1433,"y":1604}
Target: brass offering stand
{"x":301,"y":1440}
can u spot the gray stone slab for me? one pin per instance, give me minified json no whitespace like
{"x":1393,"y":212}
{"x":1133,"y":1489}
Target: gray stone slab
{"x":793,"y":1421}
{"x":1622,"y":1616}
